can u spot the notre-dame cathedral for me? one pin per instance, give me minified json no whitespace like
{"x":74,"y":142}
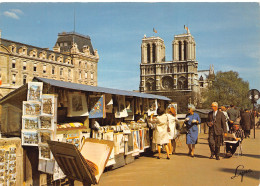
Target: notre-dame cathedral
{"x":178,"y":79}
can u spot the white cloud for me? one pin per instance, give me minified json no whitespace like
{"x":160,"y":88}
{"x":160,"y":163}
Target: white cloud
{"x":18,"y":11}
{"x":13,"y":13}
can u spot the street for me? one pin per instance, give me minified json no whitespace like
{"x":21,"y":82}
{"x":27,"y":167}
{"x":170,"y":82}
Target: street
{"x":184,"y":170}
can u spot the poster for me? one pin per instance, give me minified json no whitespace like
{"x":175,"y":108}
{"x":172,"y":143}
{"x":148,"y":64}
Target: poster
{"x":130,"y":108}
{"x":34,"y":91}
{"x":77,"y":104}
{"x":97,"y":106}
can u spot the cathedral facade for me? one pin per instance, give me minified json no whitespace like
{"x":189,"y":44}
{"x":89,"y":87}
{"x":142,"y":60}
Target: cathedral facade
{"x":177,"y":79}
{"x":72,"y":59}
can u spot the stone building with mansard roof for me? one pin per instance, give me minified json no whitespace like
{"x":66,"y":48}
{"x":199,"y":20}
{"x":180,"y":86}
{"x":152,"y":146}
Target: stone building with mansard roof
{"x":72,"y":59}
{"x":177,"y":79}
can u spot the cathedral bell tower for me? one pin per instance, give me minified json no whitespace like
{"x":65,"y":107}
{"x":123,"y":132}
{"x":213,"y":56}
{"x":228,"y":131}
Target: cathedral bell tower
{"x":152,"y":53}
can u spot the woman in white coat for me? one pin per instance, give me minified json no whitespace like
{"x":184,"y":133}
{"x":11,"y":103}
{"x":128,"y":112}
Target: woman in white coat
{"x":172,"y":132}
{"x":160,"y":135}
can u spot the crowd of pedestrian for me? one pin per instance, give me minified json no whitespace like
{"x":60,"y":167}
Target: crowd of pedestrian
{"x":227,"y":126}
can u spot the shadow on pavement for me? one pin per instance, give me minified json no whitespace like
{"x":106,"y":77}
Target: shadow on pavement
{"x":238,"y":171}
{"x":196,"y":155}
{"x":252,"y":155}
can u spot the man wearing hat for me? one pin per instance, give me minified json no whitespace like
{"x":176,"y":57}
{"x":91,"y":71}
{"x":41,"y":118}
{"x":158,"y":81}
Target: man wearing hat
{"x":236,"y":135}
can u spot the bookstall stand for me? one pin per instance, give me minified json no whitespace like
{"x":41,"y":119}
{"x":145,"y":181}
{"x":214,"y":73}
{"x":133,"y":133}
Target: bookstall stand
{"x":50,"y":110}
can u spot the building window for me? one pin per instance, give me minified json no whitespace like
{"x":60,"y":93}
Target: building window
{"x":61,"y":71}
{"x":180,"y":51}
{"x":69,"y":73}
{"x":86,"y":65}
{"x":34,"y":67}
{"x":154,"y":52}
{"x":13,"y":78}
{"x":92,"y":75}
{"x":148,"y":53}
{"x":79,"y":74}
{"x":86,"y":75}
{"x":65,"y":44}
{"x":44,"y":69}
{"x":13,"y":63}
{"x":24,"y":65}
{"x":61,"y":44}
{"x":24,"y":79}
{"x":53,"y":70}
{"x":79,"y":63}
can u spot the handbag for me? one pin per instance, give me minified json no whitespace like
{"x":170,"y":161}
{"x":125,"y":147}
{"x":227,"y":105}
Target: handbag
{"x":184,"y":129}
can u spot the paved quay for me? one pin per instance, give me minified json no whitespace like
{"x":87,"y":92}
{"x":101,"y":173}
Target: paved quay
{"x":184,"y":170}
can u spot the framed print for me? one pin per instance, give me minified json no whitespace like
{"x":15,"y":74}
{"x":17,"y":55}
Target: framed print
{"x":31,"y":108}
{"x":77,"y":105}
{"x":109,"y":103}
{"x":34,"y":91}
{"x":46,"y":122}
{"x":29,"y":138}
{"x":44,"y":152}
{"x":97,"y":106}
{"x":30,"y":122}
{"x":152,"y":107}
{"x":48,"y":104}
{"x":44,"y":136}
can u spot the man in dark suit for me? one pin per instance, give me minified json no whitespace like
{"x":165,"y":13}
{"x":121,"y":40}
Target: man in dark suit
{"x":233,"y":115}
{"x":246,"y":123}
{"x":217,"y":126}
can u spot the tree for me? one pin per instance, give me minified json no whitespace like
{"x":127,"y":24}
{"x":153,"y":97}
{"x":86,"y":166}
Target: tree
{"x":227,"y":88}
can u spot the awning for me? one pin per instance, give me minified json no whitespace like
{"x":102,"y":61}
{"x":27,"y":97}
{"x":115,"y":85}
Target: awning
{"x":88,"y":88}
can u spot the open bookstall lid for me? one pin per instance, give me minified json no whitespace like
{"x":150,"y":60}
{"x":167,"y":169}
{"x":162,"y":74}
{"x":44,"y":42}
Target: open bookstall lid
{"x":71,"y":161}
{"x":73,"y":164}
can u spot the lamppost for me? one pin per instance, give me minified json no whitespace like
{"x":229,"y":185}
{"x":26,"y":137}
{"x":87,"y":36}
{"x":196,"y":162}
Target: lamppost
{"x":253,"y":95}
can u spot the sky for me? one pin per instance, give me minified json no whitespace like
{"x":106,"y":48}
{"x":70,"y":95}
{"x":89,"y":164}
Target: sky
{"x":227,"y":35}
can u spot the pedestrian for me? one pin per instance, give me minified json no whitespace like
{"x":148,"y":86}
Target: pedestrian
{"x":246,"y":123}
{"x":233,"y":115}
{"x":217,"y":126}
{"x":237,"y":134}
{"x":160,"y":135}
{"x":223,"y":109}
{"x":191,"y":121}
{"x":172,"y":132}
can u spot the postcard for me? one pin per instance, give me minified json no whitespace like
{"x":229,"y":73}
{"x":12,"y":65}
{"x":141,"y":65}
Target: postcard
{"x":29,"y":138}
{"x":44,"y":152}
{"x":30,"y":122}
{"x":48,"y":105}
{"x":44,"y":136}
{"x":31,"y":108}
{"x":34,"y":91}
{"x":46,"y":122}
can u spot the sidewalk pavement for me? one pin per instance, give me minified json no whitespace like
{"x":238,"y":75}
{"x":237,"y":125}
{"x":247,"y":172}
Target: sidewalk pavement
{"x":182,"y":169}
